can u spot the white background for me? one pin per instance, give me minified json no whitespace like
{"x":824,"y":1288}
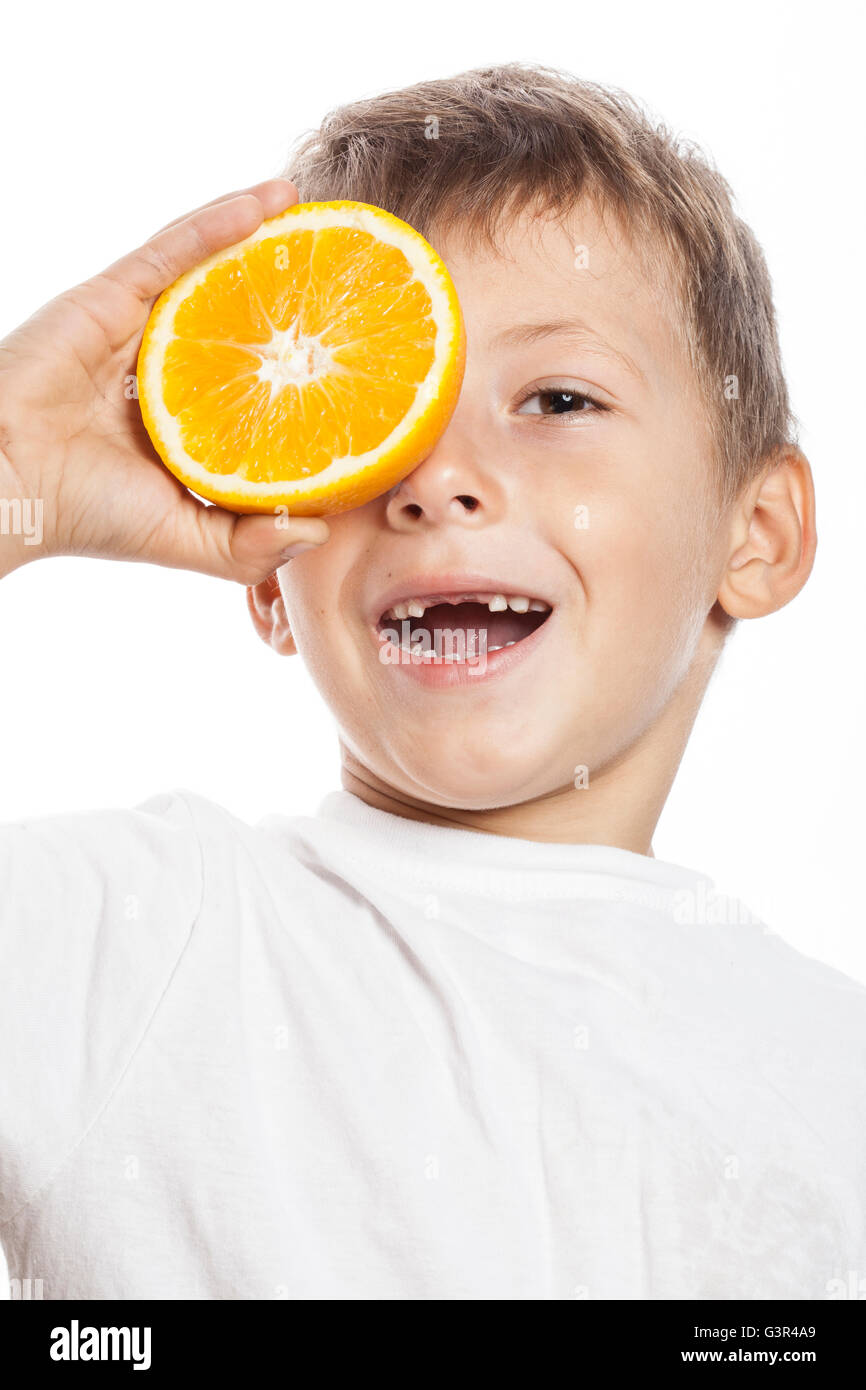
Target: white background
{"x":123,"y":680}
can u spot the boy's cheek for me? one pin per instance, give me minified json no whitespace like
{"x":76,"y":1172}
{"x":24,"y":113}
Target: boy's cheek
{"x":314,"y":582}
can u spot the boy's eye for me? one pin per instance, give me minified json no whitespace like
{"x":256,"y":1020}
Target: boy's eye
{"x":558,"y":400}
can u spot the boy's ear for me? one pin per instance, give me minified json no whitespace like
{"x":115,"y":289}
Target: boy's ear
{"x":268,"y":612}
{"x":773,"y":539}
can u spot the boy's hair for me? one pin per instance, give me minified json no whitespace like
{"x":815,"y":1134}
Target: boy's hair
{"x":474,"y":150}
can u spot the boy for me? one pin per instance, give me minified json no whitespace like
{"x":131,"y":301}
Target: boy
{"x":459,"y":1035}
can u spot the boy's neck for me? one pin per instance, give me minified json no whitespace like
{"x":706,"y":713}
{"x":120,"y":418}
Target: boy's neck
{"x":606,"y":818}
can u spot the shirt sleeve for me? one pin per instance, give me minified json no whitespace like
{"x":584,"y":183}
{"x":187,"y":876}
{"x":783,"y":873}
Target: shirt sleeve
{"x":96,"y":909}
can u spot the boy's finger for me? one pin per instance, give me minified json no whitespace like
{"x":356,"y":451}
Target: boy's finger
{"x":243,"y":548}
{"x":271,"y":193}
{"x":260,"y":546}
{"x":160,"y":261}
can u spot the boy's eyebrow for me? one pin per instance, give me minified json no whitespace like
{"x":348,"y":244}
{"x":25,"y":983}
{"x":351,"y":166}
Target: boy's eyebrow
{"x":521,"y":333}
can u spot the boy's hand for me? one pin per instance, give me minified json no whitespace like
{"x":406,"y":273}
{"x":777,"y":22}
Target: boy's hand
{"x":71,"y":436}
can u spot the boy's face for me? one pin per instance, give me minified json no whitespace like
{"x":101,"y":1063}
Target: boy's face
{"x":603,"y":518}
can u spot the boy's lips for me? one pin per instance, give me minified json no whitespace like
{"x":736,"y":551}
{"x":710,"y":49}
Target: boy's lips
{"x":448,"y":630}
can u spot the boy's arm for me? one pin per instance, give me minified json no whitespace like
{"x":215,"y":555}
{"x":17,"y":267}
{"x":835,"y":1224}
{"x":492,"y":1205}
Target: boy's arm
{"x":78,"y":474}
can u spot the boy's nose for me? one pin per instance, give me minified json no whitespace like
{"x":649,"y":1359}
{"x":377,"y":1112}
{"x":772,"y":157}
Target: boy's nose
{"x":440,"y":491}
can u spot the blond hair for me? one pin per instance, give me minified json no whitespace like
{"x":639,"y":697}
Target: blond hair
{"x":515,"y":135}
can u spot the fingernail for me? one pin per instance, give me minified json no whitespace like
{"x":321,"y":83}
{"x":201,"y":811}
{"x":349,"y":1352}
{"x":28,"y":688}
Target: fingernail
{"x":293,"y":550}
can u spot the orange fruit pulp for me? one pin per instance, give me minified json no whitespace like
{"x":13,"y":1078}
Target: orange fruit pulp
{"x":310,"y":367}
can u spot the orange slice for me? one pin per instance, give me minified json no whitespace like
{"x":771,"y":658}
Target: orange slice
{"x":312,"y":366}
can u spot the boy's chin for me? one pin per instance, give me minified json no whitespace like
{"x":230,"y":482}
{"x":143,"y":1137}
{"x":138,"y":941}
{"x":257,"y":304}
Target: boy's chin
{"x":464,"y":785}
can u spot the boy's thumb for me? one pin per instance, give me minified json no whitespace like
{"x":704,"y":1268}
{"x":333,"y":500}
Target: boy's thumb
{"x":248,"y":549}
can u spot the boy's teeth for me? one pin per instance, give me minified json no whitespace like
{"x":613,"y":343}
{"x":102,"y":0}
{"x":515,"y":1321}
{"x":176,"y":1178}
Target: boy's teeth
{"x":497,"y":603}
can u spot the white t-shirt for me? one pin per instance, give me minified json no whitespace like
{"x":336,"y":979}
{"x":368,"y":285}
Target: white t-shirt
{"x":353,"y":1056}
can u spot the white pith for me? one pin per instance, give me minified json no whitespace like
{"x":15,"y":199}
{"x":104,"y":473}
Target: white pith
{"x":292,"y":358}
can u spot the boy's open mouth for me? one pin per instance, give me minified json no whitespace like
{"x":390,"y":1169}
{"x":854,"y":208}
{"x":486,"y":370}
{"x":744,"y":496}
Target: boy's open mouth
{"x":477,"y":621}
